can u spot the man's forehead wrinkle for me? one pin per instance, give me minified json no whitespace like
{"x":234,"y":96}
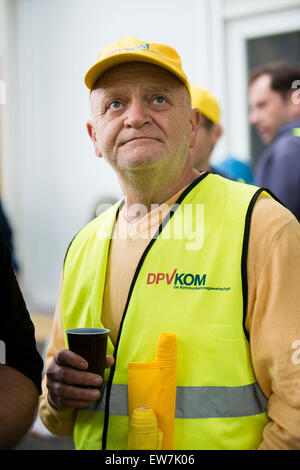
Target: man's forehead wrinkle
{"x":122,"y":89}
{"x":144,"y":72}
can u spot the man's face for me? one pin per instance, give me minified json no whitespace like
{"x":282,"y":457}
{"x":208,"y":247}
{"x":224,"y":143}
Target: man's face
{"x":141,"y":118}
{"x":268,"y":109}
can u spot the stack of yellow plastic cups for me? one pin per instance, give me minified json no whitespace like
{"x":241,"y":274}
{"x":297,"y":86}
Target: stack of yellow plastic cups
{"x":143,"y":431}
{"x":152,"y":398}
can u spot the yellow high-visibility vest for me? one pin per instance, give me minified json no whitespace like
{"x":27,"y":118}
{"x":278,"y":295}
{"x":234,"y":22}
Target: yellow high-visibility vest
{"x":191,"y":281}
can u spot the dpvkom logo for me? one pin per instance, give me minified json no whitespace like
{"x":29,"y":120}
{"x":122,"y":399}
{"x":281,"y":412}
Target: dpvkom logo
{"x":178,"y":280}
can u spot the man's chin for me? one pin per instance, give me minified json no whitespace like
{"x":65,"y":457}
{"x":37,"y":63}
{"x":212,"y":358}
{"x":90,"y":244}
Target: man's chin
{"x":138,"y":167}
{"x":266,"y":138}
{"x":140,"y":162}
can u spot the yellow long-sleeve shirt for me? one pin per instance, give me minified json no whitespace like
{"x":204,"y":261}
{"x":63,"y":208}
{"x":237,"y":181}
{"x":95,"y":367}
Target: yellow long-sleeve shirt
{"x":273,"y":271}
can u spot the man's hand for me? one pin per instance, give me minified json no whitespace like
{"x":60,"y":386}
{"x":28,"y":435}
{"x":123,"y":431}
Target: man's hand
{"x":66,"y":379}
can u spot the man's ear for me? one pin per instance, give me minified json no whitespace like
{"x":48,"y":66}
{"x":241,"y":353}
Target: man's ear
{"x":92,"y":133}
{"x":293,"y":102}
{"x":195,"y":117}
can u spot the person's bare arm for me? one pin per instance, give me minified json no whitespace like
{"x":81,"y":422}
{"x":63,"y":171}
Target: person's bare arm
{"x":18,"y":404}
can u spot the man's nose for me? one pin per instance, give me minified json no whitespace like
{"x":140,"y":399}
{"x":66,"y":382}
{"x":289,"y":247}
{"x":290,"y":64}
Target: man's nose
{"x":253,"y":117}
{"x":137,"y":114}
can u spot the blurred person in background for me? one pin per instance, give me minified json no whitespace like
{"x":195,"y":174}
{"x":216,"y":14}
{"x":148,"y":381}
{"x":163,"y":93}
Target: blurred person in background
{"x":7,"y":232}
{"x":238,"y":169}
{"x":210,"y":131}
{"x":20,"y":362}
{"x":209,"y":128}
{"x":275,"y":113}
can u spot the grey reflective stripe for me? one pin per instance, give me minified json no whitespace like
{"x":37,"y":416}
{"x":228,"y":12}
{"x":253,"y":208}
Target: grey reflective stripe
{"x":219,"y":402}
{"x":118,"y":403}
{"x":197,"y":402}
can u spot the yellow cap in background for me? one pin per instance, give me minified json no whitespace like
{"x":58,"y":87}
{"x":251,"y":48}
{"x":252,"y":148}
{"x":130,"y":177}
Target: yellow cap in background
{"x":206,"y":102}
{"x":131,"y":49}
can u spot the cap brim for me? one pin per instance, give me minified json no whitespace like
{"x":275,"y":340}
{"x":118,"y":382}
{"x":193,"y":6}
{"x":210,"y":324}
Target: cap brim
{"x":95,"y":72}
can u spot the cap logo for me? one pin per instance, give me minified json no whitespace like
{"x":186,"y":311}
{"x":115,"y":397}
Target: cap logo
{"x":128,"y":49}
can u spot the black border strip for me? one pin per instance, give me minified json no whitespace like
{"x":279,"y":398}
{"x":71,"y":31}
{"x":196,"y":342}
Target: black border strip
{"x":245,"y":252}
{"x":139,"y":266}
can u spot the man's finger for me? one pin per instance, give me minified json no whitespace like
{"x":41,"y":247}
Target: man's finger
{"x":109,"y":361}
{"x":65,"y":357}
{"x":70,"y":376}
{"x":67,"y":396}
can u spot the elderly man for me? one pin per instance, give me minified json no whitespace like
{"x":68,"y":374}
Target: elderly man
{"x":209,"y":261}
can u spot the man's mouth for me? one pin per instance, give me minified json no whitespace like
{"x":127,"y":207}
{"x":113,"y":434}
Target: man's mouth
{"x":264,"y":134}
{"x":137,"y":139}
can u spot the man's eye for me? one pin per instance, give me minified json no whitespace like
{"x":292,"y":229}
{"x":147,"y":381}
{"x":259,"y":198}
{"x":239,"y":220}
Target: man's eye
{"x":115,"y":105}
{"x":160,"y":100}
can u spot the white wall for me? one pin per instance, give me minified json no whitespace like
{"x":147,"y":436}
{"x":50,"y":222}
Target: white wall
{"x":52,"y":179}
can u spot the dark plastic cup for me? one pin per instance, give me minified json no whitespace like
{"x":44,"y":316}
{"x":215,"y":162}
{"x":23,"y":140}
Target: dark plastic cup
{"x":91,"y":344}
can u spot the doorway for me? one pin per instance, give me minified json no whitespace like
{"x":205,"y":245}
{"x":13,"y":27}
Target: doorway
{"x":250,"y":42}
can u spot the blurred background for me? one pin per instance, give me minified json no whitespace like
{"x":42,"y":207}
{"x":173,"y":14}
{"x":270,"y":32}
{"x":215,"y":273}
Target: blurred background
{"x":51,"y":181}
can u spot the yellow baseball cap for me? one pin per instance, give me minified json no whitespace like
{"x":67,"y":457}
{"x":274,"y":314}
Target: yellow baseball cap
{"x":206,"y":102}
{"x":131,"y":49}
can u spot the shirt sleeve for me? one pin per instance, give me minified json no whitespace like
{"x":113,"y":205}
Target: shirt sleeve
{"x":16,"y":328}
{"x":273,"y":319}
{"x":58,"y":422}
